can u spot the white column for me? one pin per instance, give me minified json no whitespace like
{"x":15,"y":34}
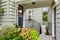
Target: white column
{"x":53,"y":23}
{"x":24,"y":17}
{"x":7,"y":11}
{"x":15,"y":12}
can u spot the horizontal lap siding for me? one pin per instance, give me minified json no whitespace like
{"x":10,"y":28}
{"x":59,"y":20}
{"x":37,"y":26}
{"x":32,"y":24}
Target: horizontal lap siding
{"x":8,"y":15}
{"x":3,"y":18}
{"x":50,"y":20}
{"x":58,"y":22}
{"x":12,"y":11}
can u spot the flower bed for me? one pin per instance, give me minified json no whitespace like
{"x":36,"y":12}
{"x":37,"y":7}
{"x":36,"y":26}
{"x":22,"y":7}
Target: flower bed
{"x":12,"y":33}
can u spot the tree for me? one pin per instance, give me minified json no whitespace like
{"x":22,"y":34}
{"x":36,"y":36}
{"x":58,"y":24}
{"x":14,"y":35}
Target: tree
{"x":45,"y":16}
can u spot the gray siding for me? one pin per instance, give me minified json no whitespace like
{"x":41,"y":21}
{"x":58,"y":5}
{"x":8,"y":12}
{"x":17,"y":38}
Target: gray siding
{"x":33,"y":24}
{"x":9,"y":12}
{"x":50,"y":20}
{"x":3,"y":18}
{"x":58,"y":21}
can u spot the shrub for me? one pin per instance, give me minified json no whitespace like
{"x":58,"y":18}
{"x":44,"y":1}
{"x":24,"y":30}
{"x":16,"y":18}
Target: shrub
{"x":33,"y":35}
{"x":9,"y":32}
{"x":16,"y":25}
{"x":45,"y":16}
{"x":29,"y":34}
{"x":47,"y":30}
{"x":6,"y":28}
{"x":1,"y":10}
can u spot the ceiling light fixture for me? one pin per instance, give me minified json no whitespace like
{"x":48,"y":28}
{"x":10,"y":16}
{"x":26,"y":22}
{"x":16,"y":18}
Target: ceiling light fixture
{"x":33,"y":3}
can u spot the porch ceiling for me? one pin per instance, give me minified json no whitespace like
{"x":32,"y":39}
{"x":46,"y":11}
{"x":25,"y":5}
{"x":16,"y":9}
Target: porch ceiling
{"x":39,"y":3}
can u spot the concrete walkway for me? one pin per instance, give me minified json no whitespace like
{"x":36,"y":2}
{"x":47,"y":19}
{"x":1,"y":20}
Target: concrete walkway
{"x":45,"y":37}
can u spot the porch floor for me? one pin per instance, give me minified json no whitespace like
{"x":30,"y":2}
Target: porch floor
{"x":45,"y":37}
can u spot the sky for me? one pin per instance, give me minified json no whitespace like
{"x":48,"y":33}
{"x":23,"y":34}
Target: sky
{"x":45,"y":9}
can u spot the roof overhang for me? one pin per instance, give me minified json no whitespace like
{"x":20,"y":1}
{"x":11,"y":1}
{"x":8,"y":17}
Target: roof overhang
{"x":38,"y":3}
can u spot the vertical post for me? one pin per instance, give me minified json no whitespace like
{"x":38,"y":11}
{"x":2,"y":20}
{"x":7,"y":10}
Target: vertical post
{"x":55,"y":22}
{"x":7,"y":11}
{"x":15,"y":12}
{"x":24,"y":18}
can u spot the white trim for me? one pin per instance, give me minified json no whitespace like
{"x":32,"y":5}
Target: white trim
{"x":15,"y":13}
{"x":7,"y":11}
{"x":53,"y":23}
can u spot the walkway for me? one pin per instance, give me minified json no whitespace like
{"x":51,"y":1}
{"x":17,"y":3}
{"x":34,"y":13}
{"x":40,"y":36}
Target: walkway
{"x":43,"y":36}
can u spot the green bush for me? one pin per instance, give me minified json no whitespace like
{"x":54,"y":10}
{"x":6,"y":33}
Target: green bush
{"x":29,"y":34}
{"x":13,"y":35}
{"x":6,"y":28}
{"x":33,"y":35}
{"x":1,"y":10}
{"x":45,"y":16}
{"x":9,"y":32}
{"x":47,"y":30}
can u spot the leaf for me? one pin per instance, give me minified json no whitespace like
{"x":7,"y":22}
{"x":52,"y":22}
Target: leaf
{"x":1,"y":10}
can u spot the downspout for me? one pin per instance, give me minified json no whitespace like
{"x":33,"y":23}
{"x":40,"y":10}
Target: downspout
{"x":54,"y":20}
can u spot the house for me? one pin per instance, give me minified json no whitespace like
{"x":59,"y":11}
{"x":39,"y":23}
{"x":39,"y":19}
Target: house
{"x":10,"y":14}
{"x":35,"y":13}
{"x":54,"y":20}
{"x":33,"y":18}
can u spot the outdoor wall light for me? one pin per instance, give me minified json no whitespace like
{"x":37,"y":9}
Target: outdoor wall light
{"x":29,"y":11}
{"x":33,"y":3}
{"x":29,"y":16}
